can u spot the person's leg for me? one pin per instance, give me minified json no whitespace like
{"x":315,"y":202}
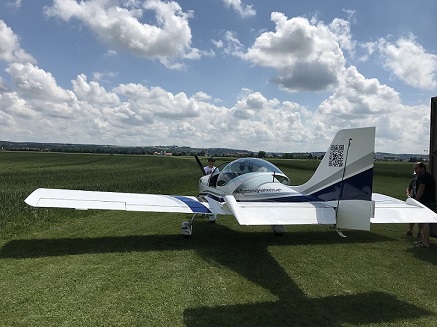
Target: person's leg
{"x":410,"y":229}
{"x":425,"y":235}
{"x":420,"y":228}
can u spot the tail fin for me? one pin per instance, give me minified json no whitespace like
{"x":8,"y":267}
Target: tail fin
{"x":345,"y":176}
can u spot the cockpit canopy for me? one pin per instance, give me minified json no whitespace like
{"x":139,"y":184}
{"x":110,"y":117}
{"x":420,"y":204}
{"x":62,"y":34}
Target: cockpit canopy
{"x":236,"y":168}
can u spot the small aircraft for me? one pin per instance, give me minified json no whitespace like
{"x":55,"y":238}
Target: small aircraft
{"x":256,"y":192}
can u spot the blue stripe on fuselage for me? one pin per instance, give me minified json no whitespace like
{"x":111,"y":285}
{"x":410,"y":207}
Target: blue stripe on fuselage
{"x":194,"y":205}
{"x":358,"y":187}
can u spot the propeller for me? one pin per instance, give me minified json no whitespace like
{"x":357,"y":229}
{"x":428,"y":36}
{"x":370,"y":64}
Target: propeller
{"x":200,"y":164}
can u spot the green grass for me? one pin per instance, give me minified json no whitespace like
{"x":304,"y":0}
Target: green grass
{"x":107,"y":268}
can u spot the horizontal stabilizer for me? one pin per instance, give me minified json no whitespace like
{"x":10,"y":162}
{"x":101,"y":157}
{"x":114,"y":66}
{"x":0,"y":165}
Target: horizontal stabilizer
{"x":279,"y":213}
{"x":391,"y":210}
{"x":83,"y":200}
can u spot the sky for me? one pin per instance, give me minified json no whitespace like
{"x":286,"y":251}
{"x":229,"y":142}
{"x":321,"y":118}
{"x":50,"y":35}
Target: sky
{"x":275,"y":76}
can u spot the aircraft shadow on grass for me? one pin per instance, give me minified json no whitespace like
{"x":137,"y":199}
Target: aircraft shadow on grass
{"x":229,"y":248}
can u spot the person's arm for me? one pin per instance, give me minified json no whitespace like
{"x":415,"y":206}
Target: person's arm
{"x":419,"y":191}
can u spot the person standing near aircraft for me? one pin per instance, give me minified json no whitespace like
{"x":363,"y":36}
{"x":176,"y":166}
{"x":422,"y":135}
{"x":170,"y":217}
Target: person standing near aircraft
{"x":411,"y":193}
{"x":210,"y":168}
{"x":208,"y":171}
{"x":425,"y":194}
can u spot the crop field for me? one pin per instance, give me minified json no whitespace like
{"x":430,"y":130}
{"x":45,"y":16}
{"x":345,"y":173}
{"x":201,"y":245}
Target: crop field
{"x":62,"y":267}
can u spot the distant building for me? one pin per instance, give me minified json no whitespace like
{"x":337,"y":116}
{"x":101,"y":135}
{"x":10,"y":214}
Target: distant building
{"x":387,"y":157}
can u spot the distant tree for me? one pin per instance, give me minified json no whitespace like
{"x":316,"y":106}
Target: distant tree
{"x":261,"y":154}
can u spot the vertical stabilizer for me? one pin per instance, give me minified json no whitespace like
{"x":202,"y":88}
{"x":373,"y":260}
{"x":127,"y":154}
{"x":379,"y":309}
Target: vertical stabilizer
{"x":344,"y":177}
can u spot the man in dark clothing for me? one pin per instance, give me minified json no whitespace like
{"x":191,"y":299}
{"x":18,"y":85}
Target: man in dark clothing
{"x":411,"y":193}
{"x":425,"y":194}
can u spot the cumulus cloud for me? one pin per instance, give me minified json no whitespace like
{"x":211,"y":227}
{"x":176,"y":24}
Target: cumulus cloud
{"x":133,"y":114}
{"x":3,"y":86}
{"x":14,"y":105}
{"x":306,"y":55}
{"x":409,"y":62}
{"x":93,"y":92}
{"x":33,"y":82}
{"x":242,"y":9}
{"x":356,"y":98}
{"x":342,"y":32}
{"x":10,"y":50}
{"x":118,"y":25}
{"x":359,"y":101}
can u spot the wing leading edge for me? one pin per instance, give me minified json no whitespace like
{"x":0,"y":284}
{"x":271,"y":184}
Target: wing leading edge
{"x":83,"y":200}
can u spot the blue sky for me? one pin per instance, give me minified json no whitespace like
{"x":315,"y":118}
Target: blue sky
{"x":256,"y":75}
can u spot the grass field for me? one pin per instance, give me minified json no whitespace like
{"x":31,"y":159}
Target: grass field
{"x":106,"y":268}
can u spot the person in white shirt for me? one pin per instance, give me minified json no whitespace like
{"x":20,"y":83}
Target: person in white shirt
{"x":210,"y":168}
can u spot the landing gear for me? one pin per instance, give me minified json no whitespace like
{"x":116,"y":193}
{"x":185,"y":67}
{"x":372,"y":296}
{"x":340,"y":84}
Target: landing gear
{"x":187,"y":227}
{"x":279,"y":230}
{"x":338,"y":230}
{"x":212,"y":218}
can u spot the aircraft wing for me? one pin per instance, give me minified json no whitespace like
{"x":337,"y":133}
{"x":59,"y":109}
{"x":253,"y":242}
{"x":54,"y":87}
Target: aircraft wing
{"x":277,"y":213}
{"x":83,"y":200}
{"x":391,"y":210}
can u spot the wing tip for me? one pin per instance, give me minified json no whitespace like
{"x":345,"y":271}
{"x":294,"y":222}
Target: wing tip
{"x":32,"y":199}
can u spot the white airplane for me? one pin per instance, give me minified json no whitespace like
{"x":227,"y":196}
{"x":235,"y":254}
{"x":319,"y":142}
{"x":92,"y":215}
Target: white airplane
{"x":256,"y":192}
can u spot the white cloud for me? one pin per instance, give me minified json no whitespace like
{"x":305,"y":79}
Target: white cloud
{"x":359,"y":102}
{"x":14,"y":106}
{"x":118,"y":25}
{"x":159,"y":103}
{"x":99,"y":76}
{"x":10,"y":50}
{"x":242,"y":9}
{"x":307,"y":56}
{"x":3,"y":86}
{"x":15,"y":4}
{"x":33,"y":82}
{"x":230,"y":45}
{"x":93,"y":92}
{"x":202,"y":96}
{"x":410,"y":62}
{"x":342,"y":33}
{"x":132,"y":114}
